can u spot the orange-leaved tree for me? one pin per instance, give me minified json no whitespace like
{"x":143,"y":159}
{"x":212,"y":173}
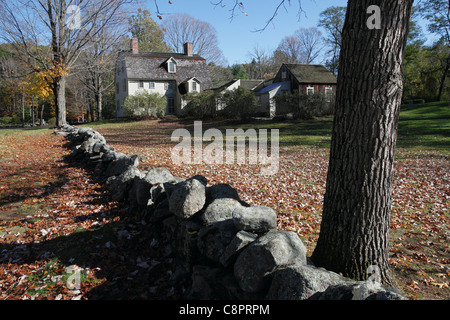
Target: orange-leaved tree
{"x":39,"y":85}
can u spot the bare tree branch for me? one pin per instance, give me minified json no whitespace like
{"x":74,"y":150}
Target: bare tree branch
{"x":239,"y":5}
{"x":182,"y":28}
{"x":33,"y":26}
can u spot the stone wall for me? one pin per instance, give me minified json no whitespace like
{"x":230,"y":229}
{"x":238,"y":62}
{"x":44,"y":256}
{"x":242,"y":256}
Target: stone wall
{"x":230,"y":250}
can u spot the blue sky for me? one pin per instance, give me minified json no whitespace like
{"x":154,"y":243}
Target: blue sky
{"x":237,"y":37}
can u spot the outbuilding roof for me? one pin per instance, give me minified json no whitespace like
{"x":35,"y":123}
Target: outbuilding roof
{"x":270,"y":87}
{"x":312,"y":73}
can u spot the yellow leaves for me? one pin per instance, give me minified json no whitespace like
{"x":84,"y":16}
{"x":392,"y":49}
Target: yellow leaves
{"x":39,"y":82}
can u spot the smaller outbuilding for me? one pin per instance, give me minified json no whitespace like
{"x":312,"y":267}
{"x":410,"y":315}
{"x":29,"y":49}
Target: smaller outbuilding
{"x":302,"y":78}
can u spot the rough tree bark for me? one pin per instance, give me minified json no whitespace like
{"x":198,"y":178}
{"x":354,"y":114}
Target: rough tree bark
{"x":57,"y":16}
{"x":59,"y":91}
{"x":355,"y":225}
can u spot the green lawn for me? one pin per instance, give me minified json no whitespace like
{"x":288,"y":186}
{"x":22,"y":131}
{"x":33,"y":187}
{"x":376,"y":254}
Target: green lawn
{"x":23,"y":131}
{"x":422,"y":127}
{"x":425,"y":126}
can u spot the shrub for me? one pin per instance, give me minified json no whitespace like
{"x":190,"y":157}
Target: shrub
{"x":16,"y":119}
{"x":239,"y":103}
{"x":201,"y":105}
{"x":303,"y":106}
{"x":108,"y":111}
{"x":109,"y":107}
{"x":6,"y":120}
{"x":144,"y":104}
{"x":52,"y":122}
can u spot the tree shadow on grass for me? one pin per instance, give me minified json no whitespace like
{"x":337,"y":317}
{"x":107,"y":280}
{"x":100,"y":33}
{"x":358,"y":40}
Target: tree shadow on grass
{"x":128,"y":254}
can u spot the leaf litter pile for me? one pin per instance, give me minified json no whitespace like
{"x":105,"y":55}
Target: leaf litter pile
{"x":61,"y":237}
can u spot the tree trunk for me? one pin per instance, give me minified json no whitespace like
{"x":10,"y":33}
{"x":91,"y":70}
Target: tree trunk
{"x":29,"y":111}
{"x":444,"y":76}
{"x":57,"y":20}
{"x":41,"y":118}
{"x":355,"y":225}
{"x":59,"y":89}
{"x":91,"y":111}
{"x":32,"y":112}
{"x":23,"y":107}
{"x":99,"y":102}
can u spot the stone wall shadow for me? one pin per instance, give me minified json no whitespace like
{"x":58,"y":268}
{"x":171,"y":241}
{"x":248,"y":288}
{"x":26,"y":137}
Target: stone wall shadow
{"x":126,"y":252}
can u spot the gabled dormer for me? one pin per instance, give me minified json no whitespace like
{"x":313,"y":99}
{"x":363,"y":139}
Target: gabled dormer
{"x":190,"y":85}
{"x":171,"y":65}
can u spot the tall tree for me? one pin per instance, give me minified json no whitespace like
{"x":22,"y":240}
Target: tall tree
{"x":415,"y":33}
{"x":182,"y":28}
{"x":37,"y":84}
{"x":437,"y":12}
{"x":354,"y":233}
{"x":148,"y":33}
{"x":64,"y":27}
{"x":262,"y":65}
{"x":332,"y":20}
{"x":219,"y":75}
{"x":97,"y":64}
{"x":312,"y":43}
{"x":289,"y":51}
{"x":11,"y":73}
{"x":439,"y":60}
{"x":355,"y":225}
{"x":303,"y":47}
{"x":239,"y":72}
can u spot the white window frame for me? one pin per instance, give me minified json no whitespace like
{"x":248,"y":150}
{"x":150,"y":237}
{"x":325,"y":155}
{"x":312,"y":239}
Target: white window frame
{"x":171,"y":66}
{"x":309,"y":90}
{"x":328,"y":94}
{"x":152,"y":85}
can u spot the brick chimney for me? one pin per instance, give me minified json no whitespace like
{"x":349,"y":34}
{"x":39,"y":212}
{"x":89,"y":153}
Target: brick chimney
{"x":188,"y":49}
{"x":134,"y":46}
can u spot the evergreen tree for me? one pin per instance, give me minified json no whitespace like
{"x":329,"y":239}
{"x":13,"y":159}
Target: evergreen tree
{"x":148,"y":33}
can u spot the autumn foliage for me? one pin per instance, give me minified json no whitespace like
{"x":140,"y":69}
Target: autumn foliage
{"x":55,"y":214}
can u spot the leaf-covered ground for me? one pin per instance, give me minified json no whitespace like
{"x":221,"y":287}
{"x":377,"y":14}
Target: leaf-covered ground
{"x":62,"y":238}
{"x":56,"y":217}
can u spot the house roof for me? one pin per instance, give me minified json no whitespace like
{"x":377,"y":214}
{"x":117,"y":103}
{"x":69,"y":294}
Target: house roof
{"x":224,"y":86}
{"x":151,"y":66}
{"x":312,"y":73}
{"x":250,"y":84}
{"x":269,"y":88}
